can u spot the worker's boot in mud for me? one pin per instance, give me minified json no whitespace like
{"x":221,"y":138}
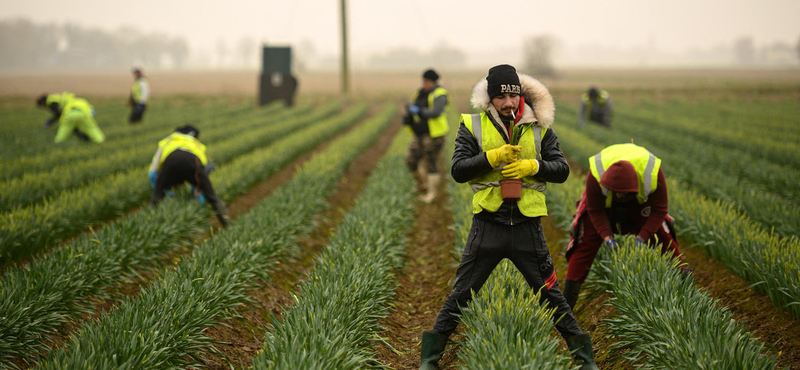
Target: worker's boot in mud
{"x":581,"y":348}
{"x":433,"y":345}
{"x":420,"y":179}
{"x":571,"y":290}
{"x":433,"y":186}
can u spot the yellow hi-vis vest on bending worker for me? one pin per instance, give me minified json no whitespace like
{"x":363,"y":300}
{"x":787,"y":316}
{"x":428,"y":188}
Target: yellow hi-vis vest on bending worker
{"x":437,"y":126}
{"x":136,"y":89}
{"x":601,"y":98}
{"x":645,"y":163}
{"x":486,"y":188}
{"x":179,"y":141}
{"x":62,"y":99}
{"x":77,"y":114}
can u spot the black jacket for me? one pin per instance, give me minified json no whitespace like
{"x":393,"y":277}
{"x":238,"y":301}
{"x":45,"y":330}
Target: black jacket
{"x":470,"y":162}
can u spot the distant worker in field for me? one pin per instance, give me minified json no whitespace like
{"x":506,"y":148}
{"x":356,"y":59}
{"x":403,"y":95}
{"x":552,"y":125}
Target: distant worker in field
{"x":626,"y":194}
{"x":596,"y":106}
{"x":181,"y":158}
{"x":427,"y":119}
{"x":73,"y":115}
{"x":506,"y":226}
{"x":140,"y":92}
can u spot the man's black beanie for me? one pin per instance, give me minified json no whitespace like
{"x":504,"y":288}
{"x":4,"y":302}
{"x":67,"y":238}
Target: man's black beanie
{"x":430,"y":75}
{"x":503,"y":79}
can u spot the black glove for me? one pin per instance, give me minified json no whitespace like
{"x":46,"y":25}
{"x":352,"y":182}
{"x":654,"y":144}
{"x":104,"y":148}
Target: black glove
{"x":49,"y":123}
{"x":138,"y":108}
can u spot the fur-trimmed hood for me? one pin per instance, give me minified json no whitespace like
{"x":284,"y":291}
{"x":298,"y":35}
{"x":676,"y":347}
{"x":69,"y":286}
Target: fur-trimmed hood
{"x":540,"y":107}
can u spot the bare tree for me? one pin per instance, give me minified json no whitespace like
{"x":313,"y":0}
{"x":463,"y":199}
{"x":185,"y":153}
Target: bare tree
{"x":798,"y":48}
{"x":538,"y":55}
{"x":745,"y":50}
{"x":222,"y":52}
{"x":246,"y":48}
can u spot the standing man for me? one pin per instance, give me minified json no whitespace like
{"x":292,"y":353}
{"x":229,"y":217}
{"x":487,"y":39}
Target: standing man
{"x":427,"y":117}
{"x":180,"y":158}
{"x":600,"y":107}
{"x":626,"y":193}
{"x":140,"y":92}
{"x":507,"y":228}
{"x":74,"y":116}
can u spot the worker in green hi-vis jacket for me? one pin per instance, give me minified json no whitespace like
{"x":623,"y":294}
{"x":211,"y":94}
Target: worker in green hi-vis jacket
{"x":74,"y":116}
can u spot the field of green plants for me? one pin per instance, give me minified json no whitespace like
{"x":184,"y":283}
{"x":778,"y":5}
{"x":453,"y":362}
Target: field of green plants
{"x":315,"y":271}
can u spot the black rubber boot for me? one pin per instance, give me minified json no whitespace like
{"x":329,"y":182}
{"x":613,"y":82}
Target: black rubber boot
{"x":581,"y":346}
{"x":571,"y":290}
{"x":433,"y":345}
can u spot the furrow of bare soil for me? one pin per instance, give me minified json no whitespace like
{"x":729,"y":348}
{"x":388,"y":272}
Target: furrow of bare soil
{"x":423,"y":285}
{"x":240,"y":339}
{"x":240,"y":206}
{"x":776,"y":328}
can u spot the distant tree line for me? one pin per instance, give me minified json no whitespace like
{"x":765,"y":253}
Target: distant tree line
{"x":25,"y":45}
{"x":442,"y":55}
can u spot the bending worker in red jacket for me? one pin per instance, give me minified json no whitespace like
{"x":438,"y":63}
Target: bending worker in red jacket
{"x":626,"y":193}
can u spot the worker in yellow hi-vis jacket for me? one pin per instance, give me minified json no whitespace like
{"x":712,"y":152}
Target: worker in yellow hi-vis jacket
{"x":181,"y":158}
{"x":140,"y":92}
{"x":74,"y":116}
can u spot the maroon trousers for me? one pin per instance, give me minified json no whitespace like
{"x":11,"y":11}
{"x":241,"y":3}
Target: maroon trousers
{"x":587,"y":242}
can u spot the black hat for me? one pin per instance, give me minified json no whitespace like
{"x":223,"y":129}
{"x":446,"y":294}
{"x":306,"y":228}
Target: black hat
{"x":503,"y":79}
{"x":430,"y":75}
{"x":189,"y":130}
{"x":42,"y":100}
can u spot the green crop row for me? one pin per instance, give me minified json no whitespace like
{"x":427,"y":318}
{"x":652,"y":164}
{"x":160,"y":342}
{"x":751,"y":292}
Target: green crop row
{"x":777,"y":145}
{"x":28,"y":137}
{"x":750,"y":171}
{"x":661,"y":318}
{"x":163,"y":328}
{"x":766,"y":260}
{"x":336,"y":320}
{"x":211,"y":125}
{"x":688,"y":161}
{"x":44,"y":295}
{"x":505,"y":327}
{"x":29,"y":230}
{"x":34,"y":187}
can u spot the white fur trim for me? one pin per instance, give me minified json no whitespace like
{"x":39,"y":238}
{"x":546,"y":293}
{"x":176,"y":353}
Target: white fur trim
{"x":537,"y":97}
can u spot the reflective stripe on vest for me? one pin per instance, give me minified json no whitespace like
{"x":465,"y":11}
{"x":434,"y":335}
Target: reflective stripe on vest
{"x":187,"y":143}
{"x":486,"y":187}
{"x":437,"y":126}
{"x":646,"y":171}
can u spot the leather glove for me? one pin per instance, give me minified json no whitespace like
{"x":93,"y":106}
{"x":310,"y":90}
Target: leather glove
{"x":521,"y":168}
{"x":413,"y":109}
{"x":639,"y":242}
{"x":504,"y":154}
{"x":152,"y":175}
{"x":611,"y":244}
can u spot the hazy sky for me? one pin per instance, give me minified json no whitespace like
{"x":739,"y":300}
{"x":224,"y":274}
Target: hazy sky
{"x":376,"y":25}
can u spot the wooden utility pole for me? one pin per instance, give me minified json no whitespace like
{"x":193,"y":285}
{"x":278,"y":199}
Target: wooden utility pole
{"x":345,"y":75}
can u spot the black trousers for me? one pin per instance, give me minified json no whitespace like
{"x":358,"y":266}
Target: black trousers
{"x":180,"y":167}
{"x":137,"y":112}
{"x":487,"y":245}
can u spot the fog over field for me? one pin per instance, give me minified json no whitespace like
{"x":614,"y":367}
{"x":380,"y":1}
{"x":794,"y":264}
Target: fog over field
{"x":465,"y":34}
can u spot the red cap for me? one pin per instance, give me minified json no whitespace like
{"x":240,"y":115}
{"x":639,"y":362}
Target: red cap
{"x":620,"y":177}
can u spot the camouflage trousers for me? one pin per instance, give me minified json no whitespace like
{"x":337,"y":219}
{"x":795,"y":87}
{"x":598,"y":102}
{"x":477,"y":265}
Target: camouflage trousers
{"x":427,"y":148}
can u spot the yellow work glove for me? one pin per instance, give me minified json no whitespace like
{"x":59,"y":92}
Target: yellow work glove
{"x":521,"y":168}
{"x":504,"y":154}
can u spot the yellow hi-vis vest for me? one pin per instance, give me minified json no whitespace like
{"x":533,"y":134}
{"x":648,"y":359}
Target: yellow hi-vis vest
{"x":437,"y":126}
{"x":179,"y":141}
{"x":645,"y":163}
{"x":62,"y":99}
{"x":136,"y":89}
{"x":601,"y":99}
{"x":486,"y":188}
